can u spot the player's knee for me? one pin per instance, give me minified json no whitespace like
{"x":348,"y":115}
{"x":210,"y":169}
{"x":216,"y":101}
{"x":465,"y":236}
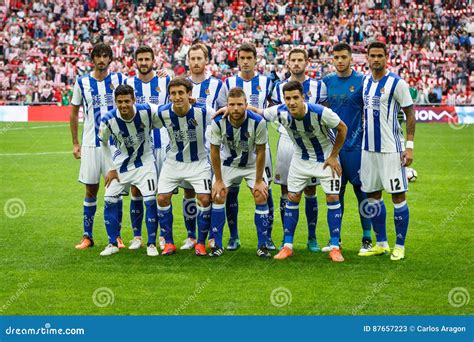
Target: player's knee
{"x":294,"y":197}
{"x":204,"y":200}
{"x":398,"y":198}
{"x":92,"y":190}
{"x":310,"y":190}
{"x":332,"y":198}
{"x":259,"y":198}
{"x":189,"y":193}
{"x":164,"y":200}
{"x":375,"y":195}
{"x":135,"y":191}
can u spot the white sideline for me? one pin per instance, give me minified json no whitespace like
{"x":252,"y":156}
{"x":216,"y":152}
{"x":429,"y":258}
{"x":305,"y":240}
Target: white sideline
{"x":35,"y":127}
{"x":32,"y":153}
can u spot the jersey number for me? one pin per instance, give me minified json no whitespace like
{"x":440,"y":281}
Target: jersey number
{"x":335,"y":184}
{"x":395,"y":184}
{"x":207,"y":184}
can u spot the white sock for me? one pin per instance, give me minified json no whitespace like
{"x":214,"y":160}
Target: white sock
{"x":289,"y":245}
{"x":383,"y":244}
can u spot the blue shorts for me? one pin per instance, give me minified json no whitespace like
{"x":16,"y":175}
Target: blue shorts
{"x":350,"y":163}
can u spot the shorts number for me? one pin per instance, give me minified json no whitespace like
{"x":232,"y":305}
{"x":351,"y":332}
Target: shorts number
{"x":207,"y":184}
{"x":313,"y":180}
{"x":268,"y":172}
{"x":395,"y":184}
{"x":151,"y":184}
{"x":335,"y":184}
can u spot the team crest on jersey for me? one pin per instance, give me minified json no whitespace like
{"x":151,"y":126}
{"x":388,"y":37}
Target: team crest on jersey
{"x":382,"y":90}
{"x":192,"y":122}
{"x":158,"y":89}
{"x":351,"y":89}
{"x":142,"y":126}
{"x":247,"y":135}
{"x":208,"y":91}
{"x":309,"y":93}
{"x":259,"y":88}
{"x":112,"y":86}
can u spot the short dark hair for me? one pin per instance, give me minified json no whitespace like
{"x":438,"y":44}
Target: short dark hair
{"x":299,"y":50}
{"x":180,"y":81}
{"x":341,"y":47}
{"x":246,"y":47}
{"x":144,"y":49}
{"x":199,"y":46}
{"x":101,"y":49}
{"x":377,"y":45}
{"x":124,"y":89}
{"x":237,"y":92}
{"x":293,"y":85}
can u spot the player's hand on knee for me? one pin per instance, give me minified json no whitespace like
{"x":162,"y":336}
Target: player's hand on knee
{"x":110,"y":176}
{"x":219,"y":191}
{"x":407,"y":157}
{"x":260,"y":189}
{"x":76,"y":151}
{"x":333,"y":163}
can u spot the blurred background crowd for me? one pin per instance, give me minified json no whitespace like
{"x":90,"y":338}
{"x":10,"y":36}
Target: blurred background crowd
{"x":45,"y":45}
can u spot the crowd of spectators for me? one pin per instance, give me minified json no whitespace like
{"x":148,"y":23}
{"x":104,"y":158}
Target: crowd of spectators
{"x":45,"y":45}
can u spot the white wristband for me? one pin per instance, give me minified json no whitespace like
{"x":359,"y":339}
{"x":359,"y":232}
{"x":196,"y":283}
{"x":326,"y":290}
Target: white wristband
{"x":410,"y":145}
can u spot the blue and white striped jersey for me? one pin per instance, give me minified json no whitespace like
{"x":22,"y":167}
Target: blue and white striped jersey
{"x":382,"y":102}
{"x":156,"y":92}
{"x":131,"y":138}
{"x":97,"y":98}
{"x":257,"y":90}
{"x":187,"y":133}
{"x":314,"y":91}
{"x":312,"y":135}
{"x":239,"y":143}
{"x":207,"y":91}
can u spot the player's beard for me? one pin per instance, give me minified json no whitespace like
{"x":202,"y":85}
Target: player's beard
{"x":146,"y":72}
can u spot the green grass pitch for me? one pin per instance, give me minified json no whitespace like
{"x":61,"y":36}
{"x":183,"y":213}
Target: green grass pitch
{"x":42,"y":274}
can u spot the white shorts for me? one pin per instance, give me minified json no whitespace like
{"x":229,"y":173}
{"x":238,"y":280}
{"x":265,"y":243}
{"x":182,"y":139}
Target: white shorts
{"x":303,"y":173}
{"x":382,"y":171}
{"x":195,"y":174}
{"x":285,"y":151}
{"x":144,"y":178}
{"x":92,"y":165}
{"x":160,"y":157}
{"x":232,"y":176}
{"x":268,"y":164}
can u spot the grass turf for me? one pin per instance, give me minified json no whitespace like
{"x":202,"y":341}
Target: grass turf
{"x":42,"y":274}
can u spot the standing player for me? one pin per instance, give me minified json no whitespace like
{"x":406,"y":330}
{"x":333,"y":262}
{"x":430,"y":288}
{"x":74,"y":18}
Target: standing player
{"x":384,"y":156}
{"x":257,"y":88}
{"x":316,"y":155}
{"x":314,"y":92}
{"x":186,"y":161}
{"x":242,"y":136}
{"x":129,"y":126}
{"x":149,"y":88}
{"x":344,"y":89}
{"x":96,"y":92}
{"x":205,"y":90}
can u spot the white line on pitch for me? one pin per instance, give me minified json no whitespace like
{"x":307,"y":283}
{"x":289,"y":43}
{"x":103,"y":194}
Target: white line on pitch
{"x":32,"y":153}
{"x":35,"y":127}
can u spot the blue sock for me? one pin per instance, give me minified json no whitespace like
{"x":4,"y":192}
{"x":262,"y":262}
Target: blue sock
{"x":120,"y":213}
{"x":165,"y":219}
{"x":261,"y":219}
{"x":189,"y":214}
{"x":311,"y":209}
{"x":217,"y":223}
{"x":283,"y":201}
{"x":402,"y":217}
{"x":291,"y":220}
{"x":203,"y":223}
{"x":232,"y":211}
{"x":270,"y":213}
{"x":378,"y":213}
{"x":365,"y":222}
{"x":334,"y":222}
{"x":111,"y":208}
{"x":342,"y":192}
{"x":151,"y":219}
{"x":136,"y":215}
{"x":90,"y":207}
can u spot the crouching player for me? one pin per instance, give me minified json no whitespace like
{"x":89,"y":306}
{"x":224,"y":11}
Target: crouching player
{"x":242,"y":135}
{"x":133,"y":163}
{"x":316,"y":150}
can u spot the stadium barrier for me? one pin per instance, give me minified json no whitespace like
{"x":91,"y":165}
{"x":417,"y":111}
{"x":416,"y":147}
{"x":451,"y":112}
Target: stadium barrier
{"x":441,"y":114}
